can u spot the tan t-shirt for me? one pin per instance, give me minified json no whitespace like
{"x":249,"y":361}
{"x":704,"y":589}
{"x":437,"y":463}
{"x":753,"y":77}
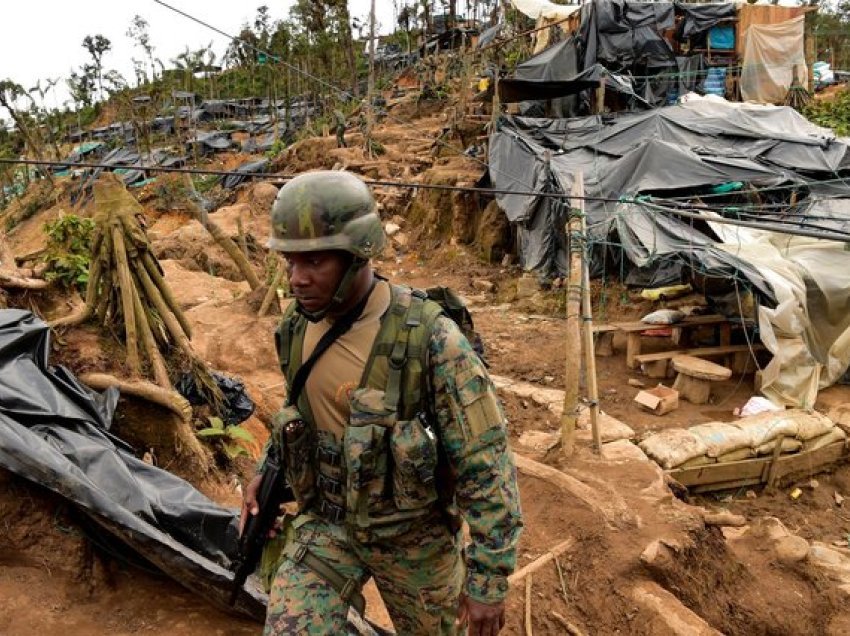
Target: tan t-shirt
{"x":339,"y":370}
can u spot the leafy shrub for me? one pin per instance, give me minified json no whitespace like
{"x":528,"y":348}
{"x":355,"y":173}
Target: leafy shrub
{"x":833,"y":114}
{"x":228,"y":439}
{"x":68,"y":253}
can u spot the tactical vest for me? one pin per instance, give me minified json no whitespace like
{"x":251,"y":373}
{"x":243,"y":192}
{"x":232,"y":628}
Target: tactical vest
{"x":382,"y":477}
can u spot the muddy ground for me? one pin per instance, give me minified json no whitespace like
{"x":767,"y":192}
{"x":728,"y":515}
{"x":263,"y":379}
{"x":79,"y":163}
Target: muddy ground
{"x":55,"y":581}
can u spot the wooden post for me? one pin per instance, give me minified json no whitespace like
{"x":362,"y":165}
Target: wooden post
{"x":770,"y":480}
{"x":589,"y":353}
{"x":370,"y":86}
{"x":573,"y":336}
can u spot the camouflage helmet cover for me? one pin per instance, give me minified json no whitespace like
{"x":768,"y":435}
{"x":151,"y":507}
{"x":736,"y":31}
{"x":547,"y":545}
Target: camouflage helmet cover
{"x":326,"y":210}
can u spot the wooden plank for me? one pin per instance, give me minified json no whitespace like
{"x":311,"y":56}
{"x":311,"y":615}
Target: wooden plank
{"x":726,"y":485}
{"x":719,"y":473}
{"x":604,"y":328}
{"x":809,"y":462}
{"x":698,"y":352}
{"x":688,"y":321}
{"x":753,"y":471}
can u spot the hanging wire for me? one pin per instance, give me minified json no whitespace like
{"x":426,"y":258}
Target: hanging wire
{"x":344,"y":93}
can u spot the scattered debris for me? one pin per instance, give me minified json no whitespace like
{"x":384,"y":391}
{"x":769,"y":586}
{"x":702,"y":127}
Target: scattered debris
{"x":659,"y":400}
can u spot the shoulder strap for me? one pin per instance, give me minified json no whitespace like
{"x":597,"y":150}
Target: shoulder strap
{"x":340,"y":326}
{"x":399,"y":355}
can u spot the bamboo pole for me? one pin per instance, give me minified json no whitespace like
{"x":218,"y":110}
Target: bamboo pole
{"x":171,"y":323}
{"x":528,"y":628}
{"x":160,"y":373}
{"x":587,"y":332}
{"x":128,"y":310}
{"x":271,"y":294}
{"x":161,"y":284}
{"x":573,"y":335}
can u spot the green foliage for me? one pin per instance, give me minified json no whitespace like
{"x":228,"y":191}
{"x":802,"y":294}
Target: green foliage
{"x":228,"y":439}
{"x":205,"y":182}
{"x":278,"y":147}
{"x":171,"y":194}
{"x":69,"y":250}
{"x":833,"y":114}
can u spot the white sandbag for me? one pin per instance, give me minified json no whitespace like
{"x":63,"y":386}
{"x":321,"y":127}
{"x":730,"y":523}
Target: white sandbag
{"x":765,"y":427}
{"x":720,"y":437}
{"x":663,"y":317}
{"x":813,"y":424}
{"x":702,"y":460}
{"x":673,"y":447}
{"x":789,"y":445}
{"x":737,"y":455}
{"x":834,"y":435}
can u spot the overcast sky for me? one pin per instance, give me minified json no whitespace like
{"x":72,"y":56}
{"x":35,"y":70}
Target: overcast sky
{"x":43,"y":38}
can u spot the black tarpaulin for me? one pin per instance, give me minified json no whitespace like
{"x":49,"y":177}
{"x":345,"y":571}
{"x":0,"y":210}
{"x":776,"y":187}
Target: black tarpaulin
{"x":697,"y":18}
{"x":249,"y":168}
{"x":621,"y":34}
{"x":55,"y":432}
{"x":520,"y":89}
{"x":679,"y":149}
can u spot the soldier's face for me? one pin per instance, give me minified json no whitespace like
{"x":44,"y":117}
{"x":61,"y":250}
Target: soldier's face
{"x":315,"y":276}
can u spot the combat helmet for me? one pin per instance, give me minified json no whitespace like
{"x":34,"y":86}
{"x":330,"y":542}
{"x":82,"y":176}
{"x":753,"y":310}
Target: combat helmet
{"x":328,"y":210}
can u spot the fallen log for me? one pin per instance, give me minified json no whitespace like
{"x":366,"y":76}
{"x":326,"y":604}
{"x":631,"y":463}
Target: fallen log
{"x":167,"y":398}
{"x":9,"y":280}
{"x":609,"y":504}
{"x":184,"y":432}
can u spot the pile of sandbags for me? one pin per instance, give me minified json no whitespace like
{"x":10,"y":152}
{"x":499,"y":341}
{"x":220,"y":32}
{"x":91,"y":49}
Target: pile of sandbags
{"x":749,"y":437}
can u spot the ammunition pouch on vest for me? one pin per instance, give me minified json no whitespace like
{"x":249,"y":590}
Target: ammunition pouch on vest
{"x":384,"y":477}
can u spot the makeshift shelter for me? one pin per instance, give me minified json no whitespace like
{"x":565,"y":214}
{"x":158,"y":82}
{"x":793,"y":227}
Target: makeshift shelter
{"x":664,"y":50}
{"x":635,"y":169}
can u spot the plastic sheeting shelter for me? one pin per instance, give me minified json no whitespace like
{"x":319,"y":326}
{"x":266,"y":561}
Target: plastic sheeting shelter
{"x":773,"y":54}
{"x":690,"y":149}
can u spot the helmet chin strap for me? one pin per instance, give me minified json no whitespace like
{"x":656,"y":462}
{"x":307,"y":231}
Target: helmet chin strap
{"x":340,"y":295}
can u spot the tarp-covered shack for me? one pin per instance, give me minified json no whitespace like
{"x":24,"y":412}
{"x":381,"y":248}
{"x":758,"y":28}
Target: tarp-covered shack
{"x":662,"y":50}
{"x":761,"y":164}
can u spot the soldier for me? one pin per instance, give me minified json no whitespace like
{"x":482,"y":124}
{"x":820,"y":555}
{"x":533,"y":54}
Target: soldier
{"x":340,"y":129}
{"x":396,"y":436}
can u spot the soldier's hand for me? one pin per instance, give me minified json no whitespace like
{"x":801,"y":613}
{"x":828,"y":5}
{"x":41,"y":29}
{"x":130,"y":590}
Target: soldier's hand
{"x":482,"y":619}
{"x":249,"y":502}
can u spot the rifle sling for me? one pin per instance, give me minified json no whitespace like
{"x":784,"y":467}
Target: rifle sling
{"x":347,"y":588}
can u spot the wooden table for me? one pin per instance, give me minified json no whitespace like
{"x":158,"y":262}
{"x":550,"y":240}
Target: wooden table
{"x":633,"y":330}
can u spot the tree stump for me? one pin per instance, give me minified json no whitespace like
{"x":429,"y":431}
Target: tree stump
{"x":695,"y":376}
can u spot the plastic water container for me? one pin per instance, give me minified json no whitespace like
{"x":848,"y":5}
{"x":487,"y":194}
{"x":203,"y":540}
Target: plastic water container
{"x":721,"y":36}
{"x":715,"y":82}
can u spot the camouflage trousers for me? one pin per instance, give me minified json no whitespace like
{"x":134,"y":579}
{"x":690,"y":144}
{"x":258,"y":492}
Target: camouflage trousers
{"x":419,"y":576}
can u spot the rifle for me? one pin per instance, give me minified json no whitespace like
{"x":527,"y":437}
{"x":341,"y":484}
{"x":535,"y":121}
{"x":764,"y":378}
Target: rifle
{"x":273,"y":492}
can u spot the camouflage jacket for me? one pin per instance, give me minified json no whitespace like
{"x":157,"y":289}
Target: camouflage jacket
{"x":474,"y":437}
{"x":473,"y":433}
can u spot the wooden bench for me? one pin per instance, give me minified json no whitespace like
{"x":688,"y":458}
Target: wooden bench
{"x":655,"y":365}
{"x":633,"y":330}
